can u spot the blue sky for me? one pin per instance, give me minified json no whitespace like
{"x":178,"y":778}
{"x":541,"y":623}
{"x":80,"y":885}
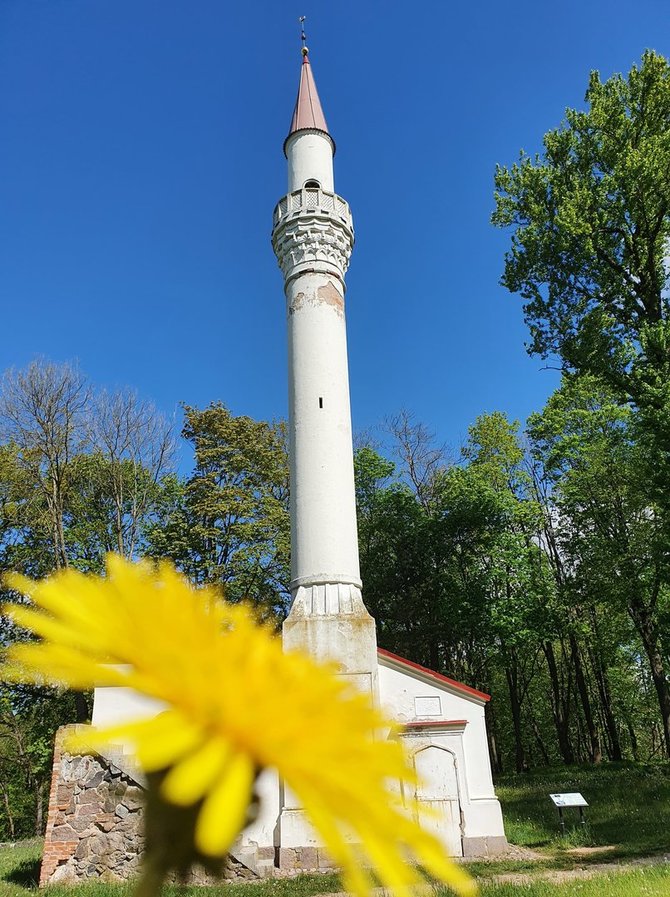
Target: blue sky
{"x":141,"y":158}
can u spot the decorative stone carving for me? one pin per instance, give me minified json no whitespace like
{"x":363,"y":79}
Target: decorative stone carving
{"x":313,"y":231}
{"x":327,"y":599}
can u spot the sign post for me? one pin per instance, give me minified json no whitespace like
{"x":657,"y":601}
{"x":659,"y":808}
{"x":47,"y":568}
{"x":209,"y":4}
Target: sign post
{"x":571,"y":799}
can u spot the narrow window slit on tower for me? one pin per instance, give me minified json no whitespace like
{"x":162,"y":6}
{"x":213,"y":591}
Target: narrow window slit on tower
{"x":320,"y":402}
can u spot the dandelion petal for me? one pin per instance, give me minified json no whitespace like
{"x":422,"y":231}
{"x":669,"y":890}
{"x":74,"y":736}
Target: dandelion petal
{"x":224,"y":811}
{"x":189,"y":780}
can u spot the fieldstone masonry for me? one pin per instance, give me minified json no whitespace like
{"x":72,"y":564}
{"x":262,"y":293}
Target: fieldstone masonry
{"x":95,"y":824}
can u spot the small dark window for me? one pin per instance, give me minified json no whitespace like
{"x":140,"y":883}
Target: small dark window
{"x":314,"y":185}
{"x":320,"y":402}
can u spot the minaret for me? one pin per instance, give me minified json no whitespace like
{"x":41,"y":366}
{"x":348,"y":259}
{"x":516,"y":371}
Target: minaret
{"x":312,"y":238}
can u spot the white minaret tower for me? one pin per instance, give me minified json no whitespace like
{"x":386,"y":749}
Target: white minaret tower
{"x":312,"y":238}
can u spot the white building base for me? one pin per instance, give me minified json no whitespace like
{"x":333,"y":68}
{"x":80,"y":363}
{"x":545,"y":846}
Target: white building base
{"x":444,"y":733}
{"x":442,"y":726}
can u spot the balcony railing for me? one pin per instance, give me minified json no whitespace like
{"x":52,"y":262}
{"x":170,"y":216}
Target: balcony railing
{"x":312,"y":199}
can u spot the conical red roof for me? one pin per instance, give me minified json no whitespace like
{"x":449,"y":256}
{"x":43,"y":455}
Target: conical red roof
{"x":308,"y":112}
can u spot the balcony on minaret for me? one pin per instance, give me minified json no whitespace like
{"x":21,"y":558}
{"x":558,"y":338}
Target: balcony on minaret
{"x":313,"y":199}
{"x":313,"y":226}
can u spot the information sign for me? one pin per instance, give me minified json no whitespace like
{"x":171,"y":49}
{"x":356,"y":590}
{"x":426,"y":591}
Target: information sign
{"x":572,"y":799}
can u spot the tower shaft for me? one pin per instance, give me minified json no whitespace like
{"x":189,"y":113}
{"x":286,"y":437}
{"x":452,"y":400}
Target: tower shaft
{"x":313,"y":238}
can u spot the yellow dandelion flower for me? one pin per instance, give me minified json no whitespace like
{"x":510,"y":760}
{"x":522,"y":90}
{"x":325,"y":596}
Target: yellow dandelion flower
{"x":237,"y":703}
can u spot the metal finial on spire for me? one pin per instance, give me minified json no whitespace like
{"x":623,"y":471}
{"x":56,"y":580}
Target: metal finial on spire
{"x":303,"y":36}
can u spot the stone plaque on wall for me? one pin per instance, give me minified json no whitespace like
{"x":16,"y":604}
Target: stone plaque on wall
{"x":428,"y":706}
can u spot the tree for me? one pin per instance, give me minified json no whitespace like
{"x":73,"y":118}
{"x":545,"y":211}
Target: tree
{"x":452,"y":570}
{"x":80,"y":475}
{"x":81,"y":472}
{"x":591,"y":220}
{"x":568,"y":609}
{"x":42,"y":412}
{"x":519,"y":588}
{"x":609,"y":532}
{"x":29,"y":719}
{"x":422,"y":461}
{"x":229,"y":522}
{"x":134,"y":446}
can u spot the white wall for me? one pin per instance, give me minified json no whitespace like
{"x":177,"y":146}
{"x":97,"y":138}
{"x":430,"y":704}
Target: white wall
{"x":310,"y":157}
{"x":324,"y":545}
{"x":263,"y":830}
{"x":113,"y":705}
{"x":398,"y":691}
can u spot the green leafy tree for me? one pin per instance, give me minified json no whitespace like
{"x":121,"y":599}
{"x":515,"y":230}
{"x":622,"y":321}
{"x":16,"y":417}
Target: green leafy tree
{"x":29,"y":718}
{"x":451,"y":565}
{"x":589,"y":255}
{"x":81,"y":472}
{"x":610,"y":533}
{"x":228,"y":524}
{"x":80,"y":475}
{"x":417,"y":580}
{"x":518,"y":582}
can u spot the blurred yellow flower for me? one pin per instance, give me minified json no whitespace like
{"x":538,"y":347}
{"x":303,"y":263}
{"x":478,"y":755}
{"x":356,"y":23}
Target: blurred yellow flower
{"x":236,"y":704}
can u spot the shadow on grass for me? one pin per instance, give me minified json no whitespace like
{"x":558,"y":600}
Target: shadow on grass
{"x":26,"y":874}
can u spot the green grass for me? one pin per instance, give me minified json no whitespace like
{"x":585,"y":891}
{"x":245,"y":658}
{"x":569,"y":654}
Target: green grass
{"x":649,"y":882}
{"x":20,"y":868}
{"x":629,"y":808}
{"x":301,"y":886}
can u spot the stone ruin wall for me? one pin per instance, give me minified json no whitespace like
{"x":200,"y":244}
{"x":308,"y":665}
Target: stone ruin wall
{"x":95,"y":822}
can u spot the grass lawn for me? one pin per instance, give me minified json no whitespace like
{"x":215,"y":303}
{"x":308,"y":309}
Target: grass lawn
{"x":650,"y":882}
{"x":628,"y":818}
{"x":20,"y":867}
{"x":629,"y":809}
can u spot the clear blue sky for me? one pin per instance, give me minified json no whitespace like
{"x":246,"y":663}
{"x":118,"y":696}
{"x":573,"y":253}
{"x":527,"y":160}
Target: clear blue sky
{"x":141,"y":158}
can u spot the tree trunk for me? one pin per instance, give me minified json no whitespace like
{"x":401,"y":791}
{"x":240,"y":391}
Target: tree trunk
{"x":540,"y":741}
{"x":595,"y":751}
{"x":605,"y":695}
{"x":8,"y":811}
{"x":633,"y":740}
{"x":433,"y":654}
{"x":81,"y":707}
{"x":583,"y":753}
{"x":39,"y":808}
{"x":56,"y":505}
{"x":512,"y":676}
{"x":646,"y":626}
{"x":494,"y":755}
{"x":560,"y":708}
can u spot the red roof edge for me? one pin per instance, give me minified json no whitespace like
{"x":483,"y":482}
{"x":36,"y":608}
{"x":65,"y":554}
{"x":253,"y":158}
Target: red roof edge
{"x":436,"y":723}
{"x":459,"y":686}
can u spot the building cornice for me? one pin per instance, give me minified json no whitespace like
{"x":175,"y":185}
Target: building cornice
{"x":402,"y":665}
